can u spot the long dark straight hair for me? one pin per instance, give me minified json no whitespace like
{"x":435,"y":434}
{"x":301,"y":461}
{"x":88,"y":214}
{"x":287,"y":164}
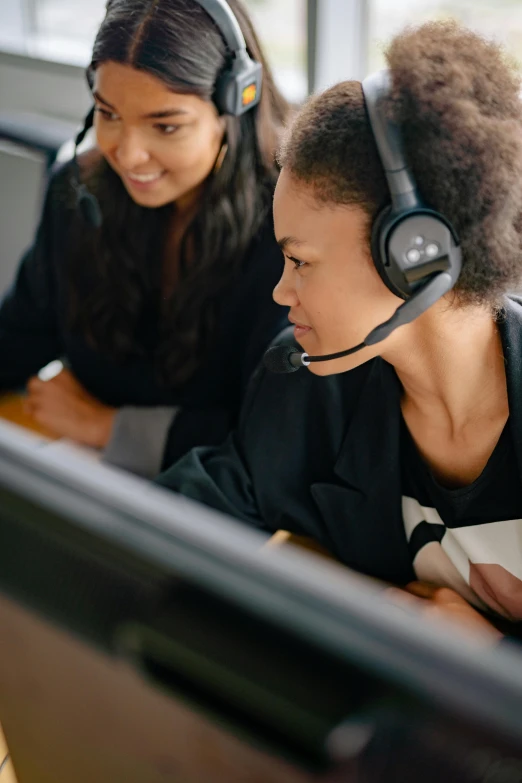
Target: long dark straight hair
{"x":115,"y":272}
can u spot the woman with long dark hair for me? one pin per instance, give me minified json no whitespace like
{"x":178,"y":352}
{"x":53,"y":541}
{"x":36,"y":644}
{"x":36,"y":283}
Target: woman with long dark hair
{"x":160,"y":301}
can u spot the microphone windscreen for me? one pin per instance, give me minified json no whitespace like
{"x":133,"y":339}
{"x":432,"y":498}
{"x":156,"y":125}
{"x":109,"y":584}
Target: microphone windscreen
{"x":277,"y":359}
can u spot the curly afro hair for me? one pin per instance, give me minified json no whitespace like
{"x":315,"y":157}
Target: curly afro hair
{"x":456,"y":99}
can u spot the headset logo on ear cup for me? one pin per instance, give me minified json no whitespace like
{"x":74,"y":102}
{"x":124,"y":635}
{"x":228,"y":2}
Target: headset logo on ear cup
{"x":411,"y":246}
{"x":249,"y":94}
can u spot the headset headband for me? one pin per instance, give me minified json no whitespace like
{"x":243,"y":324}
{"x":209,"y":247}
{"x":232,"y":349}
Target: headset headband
{"x":221,"y":13}
{"x":387,"y":135}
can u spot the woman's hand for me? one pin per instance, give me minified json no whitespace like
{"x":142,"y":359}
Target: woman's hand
{"x":65,"y":407}
{"x":442,"y":602}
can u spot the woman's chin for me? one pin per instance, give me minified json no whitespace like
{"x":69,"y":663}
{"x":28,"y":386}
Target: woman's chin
{"x":150,"y":199}
{"x":147,"y":201}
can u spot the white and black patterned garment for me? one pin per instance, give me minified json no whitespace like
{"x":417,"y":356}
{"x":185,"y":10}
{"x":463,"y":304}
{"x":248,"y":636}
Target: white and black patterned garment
{"x":469,"y":539}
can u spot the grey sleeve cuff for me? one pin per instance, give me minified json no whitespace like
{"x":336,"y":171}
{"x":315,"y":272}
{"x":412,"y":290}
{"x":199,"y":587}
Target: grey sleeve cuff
{"x":138,"y":440}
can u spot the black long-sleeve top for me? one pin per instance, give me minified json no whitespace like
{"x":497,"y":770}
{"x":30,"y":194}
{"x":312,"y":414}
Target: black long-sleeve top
{"x":34,"y":330}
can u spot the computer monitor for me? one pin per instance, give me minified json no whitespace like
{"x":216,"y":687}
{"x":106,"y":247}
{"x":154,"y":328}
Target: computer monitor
{"x":147,"y":639}
{"x":23,"y":174}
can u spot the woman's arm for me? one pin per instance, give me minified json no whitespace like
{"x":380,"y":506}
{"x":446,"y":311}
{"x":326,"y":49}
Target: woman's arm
{"x":146,"y":441}
{"x":219,"y":477}
{"x":138,"y":439}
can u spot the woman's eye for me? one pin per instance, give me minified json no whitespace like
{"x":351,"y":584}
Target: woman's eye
{"x":295,"y":261}
{"x":107,"y":115}
{"x":167,"y":130}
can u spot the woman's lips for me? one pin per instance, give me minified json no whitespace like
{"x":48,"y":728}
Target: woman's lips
{"x":144,"y":182}
{"x":300,"y":329}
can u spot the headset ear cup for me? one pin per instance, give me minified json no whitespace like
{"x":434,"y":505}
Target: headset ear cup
{"x":238,"y":89}
{"x":376,"y":244}
{"x":222,"y":98}
{"x":380,"y":230}
{"x":376,"y":236}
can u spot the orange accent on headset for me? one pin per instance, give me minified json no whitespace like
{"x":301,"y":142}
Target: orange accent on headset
{"x":249,"y":94}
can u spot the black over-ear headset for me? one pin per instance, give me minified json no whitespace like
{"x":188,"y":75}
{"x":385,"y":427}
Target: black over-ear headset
{"x":414,"y":248}
{"x":237,"y":90}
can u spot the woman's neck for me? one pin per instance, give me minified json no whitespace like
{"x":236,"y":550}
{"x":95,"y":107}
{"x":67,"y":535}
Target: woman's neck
{"x":451,"y":366}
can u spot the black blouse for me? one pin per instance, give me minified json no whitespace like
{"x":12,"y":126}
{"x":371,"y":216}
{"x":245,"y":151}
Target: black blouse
{"x":34,"y":331}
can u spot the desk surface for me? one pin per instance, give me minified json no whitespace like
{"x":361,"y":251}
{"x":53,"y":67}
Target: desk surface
{"x":12,"y":409}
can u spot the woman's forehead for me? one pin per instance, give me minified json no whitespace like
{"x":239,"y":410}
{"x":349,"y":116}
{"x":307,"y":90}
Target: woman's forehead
{"x":304,"y":219}
{"x":117,"y":82}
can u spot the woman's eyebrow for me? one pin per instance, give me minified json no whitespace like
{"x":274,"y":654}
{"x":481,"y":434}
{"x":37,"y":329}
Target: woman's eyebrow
{"x":158,"y":115}
{"x":155,"y":115}
{"x":99,"y":98}
{"x":290,"y":240}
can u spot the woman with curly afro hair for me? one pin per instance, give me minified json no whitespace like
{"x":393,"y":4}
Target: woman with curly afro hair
{"x":405,"y":462}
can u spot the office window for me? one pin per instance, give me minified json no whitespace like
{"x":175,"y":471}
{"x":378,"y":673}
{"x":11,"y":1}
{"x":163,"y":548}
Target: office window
{"x":64,"y":30}
{"x":12,"y":20}
{"x":68,"y":25}
{"x":500,"y":19}
{"x":281,"y":25}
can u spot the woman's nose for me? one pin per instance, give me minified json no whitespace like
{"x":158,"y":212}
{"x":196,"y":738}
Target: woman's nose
{"x":284,"y":292}
{"x":130,"y":152}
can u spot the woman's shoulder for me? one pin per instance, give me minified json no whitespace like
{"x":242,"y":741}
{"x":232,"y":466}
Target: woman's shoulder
{"x":60,"y":197}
